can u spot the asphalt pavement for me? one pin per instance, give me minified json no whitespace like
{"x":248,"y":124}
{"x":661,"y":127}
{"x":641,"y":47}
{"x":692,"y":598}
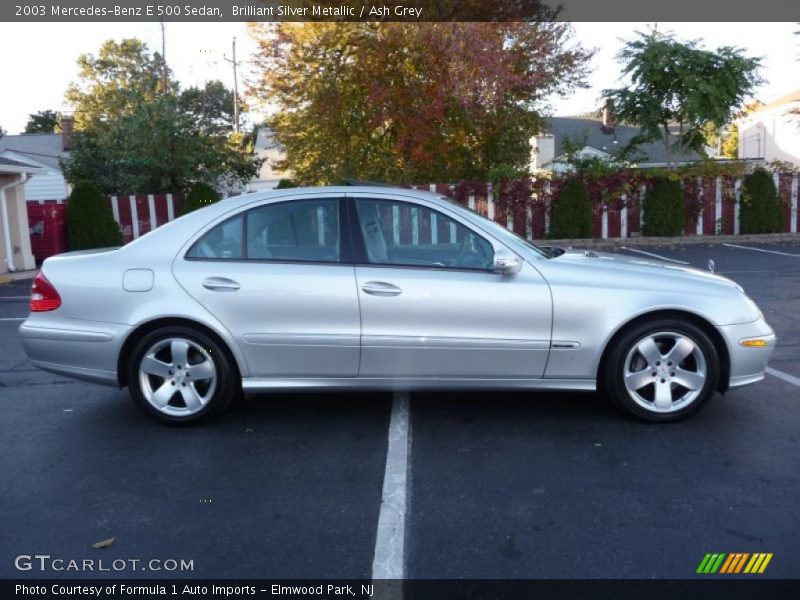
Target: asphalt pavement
{"x":499,"y":485}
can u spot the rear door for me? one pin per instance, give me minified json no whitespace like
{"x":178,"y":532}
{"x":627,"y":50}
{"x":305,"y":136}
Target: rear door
{"x":280,"y":278}
{"x":432,"y":305}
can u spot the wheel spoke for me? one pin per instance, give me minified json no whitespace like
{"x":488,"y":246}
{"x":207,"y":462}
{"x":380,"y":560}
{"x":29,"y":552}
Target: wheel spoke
{"x":152,"y":366}
{"x":639,"y":379}
{"x":663,"y":398}
{"x":203,"y":370}
{"x":163,"y":395}
{"x":689,"y":379}
{"x":683,"y":347}
{"x":180,"y":352}
{"x":649,"y":350}
{"x":191,"y":397}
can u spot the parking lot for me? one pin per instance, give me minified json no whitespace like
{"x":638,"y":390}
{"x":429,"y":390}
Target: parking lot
{"x":497,"y":485}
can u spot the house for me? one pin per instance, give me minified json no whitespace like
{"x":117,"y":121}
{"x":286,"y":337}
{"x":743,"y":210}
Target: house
{"x":15,"y":241}
{"x":597,"y":136}
{"x":772,"y":131}
{"x":44,"y":151}
{"x":267,"y":148}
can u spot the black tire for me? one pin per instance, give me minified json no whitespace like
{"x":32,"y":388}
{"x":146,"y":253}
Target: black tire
{"x":227,"y":384}
{"x":612,"y":375}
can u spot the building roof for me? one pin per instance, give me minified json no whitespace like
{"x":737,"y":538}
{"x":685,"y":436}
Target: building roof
{"x":46,"y":148}
{"x":8,"y":165}
{"x":588,"y":131}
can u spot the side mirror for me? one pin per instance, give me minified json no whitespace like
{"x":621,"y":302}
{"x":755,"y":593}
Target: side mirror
{"x":506,"y":263}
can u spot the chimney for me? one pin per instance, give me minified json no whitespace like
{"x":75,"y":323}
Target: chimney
{"x":67,"y":128}
{"x":608,"y":116}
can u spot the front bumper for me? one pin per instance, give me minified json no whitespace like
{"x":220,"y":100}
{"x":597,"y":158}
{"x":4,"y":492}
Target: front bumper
{"x":84,"y":350}
{"x":748,"y":364}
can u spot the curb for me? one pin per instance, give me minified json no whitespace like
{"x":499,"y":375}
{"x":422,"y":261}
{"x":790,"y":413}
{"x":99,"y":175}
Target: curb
{"x":17,"y":276}
{"x":695,"y":240}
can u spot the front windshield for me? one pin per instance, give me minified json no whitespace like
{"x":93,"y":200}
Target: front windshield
{"x":498,"y":230}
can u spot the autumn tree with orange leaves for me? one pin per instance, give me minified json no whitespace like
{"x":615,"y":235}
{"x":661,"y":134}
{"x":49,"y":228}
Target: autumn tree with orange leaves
{"x":407,"y":103}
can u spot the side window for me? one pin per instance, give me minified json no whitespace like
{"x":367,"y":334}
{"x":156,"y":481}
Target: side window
{"x":401,"y":233}
{"x":223,"y":242}
{"x":296,"y":230}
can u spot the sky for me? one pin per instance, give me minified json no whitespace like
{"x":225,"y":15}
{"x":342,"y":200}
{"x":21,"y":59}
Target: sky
{"x":41,"y":57}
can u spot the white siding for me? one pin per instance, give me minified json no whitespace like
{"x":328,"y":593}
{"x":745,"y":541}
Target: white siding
{"x":772,"y":134}
{"x":48,"y":185}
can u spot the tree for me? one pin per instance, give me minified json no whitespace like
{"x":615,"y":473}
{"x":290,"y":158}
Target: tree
{"x":212,"y":106}
{"x":572,"y":212}
{"x":136,"y":132}
{"x":664,"y":211}
{"x":405,"y":102}
{"x":199,"y":196}
{"x":44,"y":121}
{"x":678,"y":88}
{"x":761,"y":210}
{"x":90,"y":223}
{"x":115,"y":82}
{"x":2,"y":132}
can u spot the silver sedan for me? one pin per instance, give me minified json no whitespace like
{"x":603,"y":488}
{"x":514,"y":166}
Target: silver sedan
{"x":388,"y":289}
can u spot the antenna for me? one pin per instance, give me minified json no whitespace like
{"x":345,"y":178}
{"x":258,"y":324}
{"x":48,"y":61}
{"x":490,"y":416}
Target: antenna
{"x":235,"y":86}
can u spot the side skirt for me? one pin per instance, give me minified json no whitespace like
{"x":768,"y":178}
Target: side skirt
{"x":263,"y":384}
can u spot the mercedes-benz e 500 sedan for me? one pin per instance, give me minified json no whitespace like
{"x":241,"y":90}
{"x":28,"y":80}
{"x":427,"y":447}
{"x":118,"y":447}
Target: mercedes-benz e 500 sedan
{"x":379,"y":288}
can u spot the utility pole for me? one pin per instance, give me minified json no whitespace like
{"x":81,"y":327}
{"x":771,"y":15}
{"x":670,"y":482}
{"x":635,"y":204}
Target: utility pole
{"x":235,"y":87}
{"x":164,"y":56}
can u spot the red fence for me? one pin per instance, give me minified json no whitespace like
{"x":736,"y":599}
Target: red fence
{"x":717,"y":204}
{"x":139,"y":213}
{"x":717,"y":201}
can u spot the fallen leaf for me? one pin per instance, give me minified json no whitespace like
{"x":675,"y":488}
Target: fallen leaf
{"x":103,"y":543}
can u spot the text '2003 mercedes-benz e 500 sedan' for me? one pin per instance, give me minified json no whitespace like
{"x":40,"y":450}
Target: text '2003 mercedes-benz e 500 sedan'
{"x":384,"y":289}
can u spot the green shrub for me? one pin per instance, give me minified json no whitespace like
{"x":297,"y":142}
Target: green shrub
{"x":761,"y":210}
{"x":199,"y":196}
{"x":664,"y":209}
{"x":572,"y":212}
{"x":285,"y":184}
{"x":90,"y":223}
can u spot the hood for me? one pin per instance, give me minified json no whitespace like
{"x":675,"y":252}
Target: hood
{"x":632,"y":265}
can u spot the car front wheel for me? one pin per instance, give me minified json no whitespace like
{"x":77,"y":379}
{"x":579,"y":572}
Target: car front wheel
{"x":662,"y":370}
{"x":180,"y":376}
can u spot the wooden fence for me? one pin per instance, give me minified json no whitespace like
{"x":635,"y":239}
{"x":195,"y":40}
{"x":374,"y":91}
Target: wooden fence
{"x":719,"y":215}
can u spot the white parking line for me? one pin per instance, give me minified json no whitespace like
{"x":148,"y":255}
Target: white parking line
{"x":13,"y":318}
{"x":388,"y":560}
{"x":762,"y":250}
{"x":785,"y":376}
{"x":658,"y":256}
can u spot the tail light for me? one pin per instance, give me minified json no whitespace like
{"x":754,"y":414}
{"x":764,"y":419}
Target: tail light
{"x":44,"y":296}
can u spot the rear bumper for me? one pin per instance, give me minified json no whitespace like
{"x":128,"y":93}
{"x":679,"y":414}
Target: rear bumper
{"x":84,"y":350}
{"x":748,"y":364}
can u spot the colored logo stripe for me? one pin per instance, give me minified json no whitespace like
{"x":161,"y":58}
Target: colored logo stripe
{"x":734,"y":562}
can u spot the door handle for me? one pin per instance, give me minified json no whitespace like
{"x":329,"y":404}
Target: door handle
{"x":221,"y":284}
{"x":381,"y":288}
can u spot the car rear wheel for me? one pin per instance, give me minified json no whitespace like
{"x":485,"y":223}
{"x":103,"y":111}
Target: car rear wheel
{"x":662,"y":370}
{"x":180,"y":376}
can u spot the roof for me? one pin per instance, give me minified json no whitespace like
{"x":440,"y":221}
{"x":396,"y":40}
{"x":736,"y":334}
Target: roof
{"x":8,"y":165}
{"x":588,"y":131}
{"x":47,"y":148}
{"x":787,"y":99}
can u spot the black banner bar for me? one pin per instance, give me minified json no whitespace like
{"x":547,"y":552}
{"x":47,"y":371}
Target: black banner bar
{"x":396,"y":10}
{"x":701,"y":588}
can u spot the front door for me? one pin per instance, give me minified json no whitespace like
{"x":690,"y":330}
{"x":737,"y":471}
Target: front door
{"x":432,"y":305}
{"x":276,"y":276}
